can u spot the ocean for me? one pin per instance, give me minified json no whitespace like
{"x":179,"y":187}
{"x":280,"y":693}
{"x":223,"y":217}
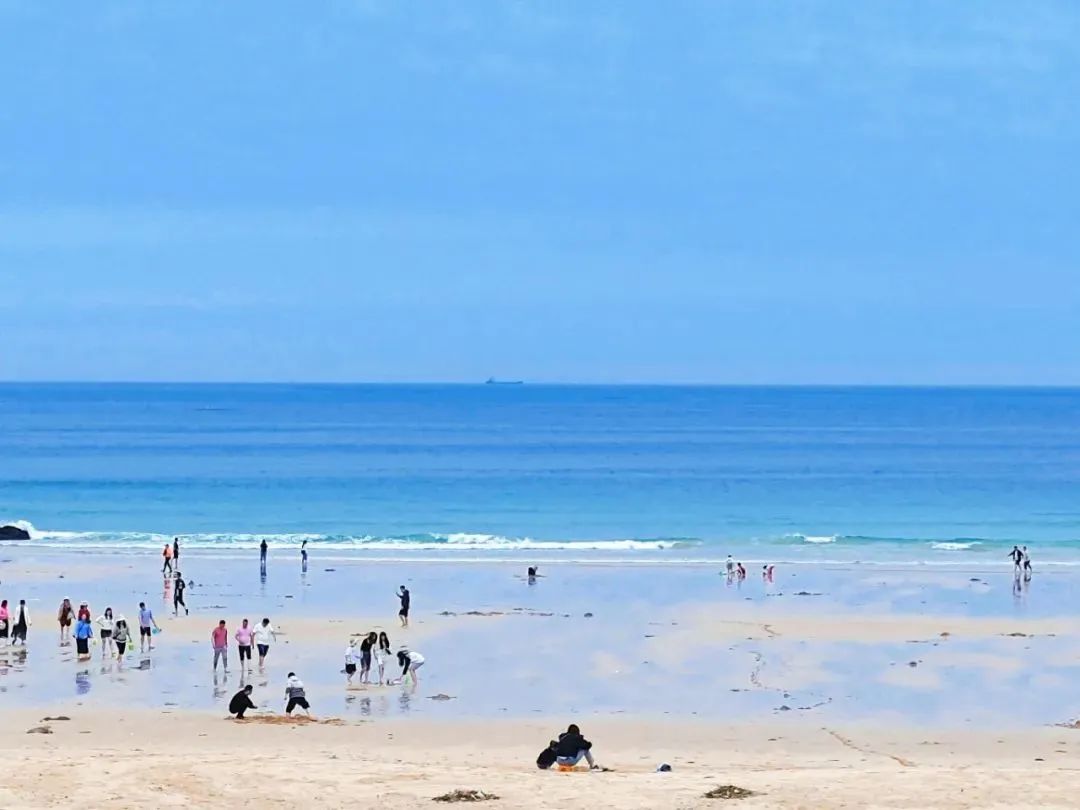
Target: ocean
{"x":951,"y":476}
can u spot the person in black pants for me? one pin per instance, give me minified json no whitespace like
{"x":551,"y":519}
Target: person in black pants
{"x":241,"y":702}
{"x":178,"y":595}
{"x":406,"y":599}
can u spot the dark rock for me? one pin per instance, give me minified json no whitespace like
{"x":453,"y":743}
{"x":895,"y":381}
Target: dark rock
{"x":13,"y":533}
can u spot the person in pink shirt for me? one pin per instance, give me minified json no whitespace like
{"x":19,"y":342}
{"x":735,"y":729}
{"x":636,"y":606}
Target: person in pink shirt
{"x":244,"y":641}
{"x":220,"y":639}
{"x":5,"y":620}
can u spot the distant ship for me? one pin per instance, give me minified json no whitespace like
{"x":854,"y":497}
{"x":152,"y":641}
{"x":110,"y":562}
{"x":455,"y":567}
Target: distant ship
{"x":493,"y":381}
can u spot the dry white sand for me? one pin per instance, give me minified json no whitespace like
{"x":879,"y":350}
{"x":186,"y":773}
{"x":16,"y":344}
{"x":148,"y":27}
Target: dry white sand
{"x":149,"y":759}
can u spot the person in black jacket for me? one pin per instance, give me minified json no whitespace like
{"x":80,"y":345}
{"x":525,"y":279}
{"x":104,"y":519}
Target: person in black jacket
{"x":241,"y":702}
{"x":571,"y":747}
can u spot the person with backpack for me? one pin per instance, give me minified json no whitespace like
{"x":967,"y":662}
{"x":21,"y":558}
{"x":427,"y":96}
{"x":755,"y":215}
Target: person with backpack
{"x":567,"y":751}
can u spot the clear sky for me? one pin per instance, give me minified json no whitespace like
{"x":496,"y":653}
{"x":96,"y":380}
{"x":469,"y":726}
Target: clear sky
{"x":557,"y":190}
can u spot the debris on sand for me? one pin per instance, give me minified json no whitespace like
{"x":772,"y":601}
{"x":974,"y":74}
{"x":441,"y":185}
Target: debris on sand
{"x":729,"y":792}
{"x":56,"y":719}
{"x":285,"y":720}
{"x":441,"y":696}
{"x":466,"y":796}
{"x":1075,"y":724}
{"x":39,"y":730}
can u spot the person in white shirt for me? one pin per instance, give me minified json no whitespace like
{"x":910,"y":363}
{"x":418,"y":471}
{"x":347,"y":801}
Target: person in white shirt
{"x":263,"y":635}
{"x":106,"y":625}
{"x":410,"y":661}
{"x":351,"y":654}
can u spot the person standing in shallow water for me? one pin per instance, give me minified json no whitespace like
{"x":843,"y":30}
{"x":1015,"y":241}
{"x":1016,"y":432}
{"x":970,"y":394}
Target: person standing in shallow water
{"x":219,"y":639}
{"x":303,"y":557}
{"x":64,"y":616}
{"x":262,"y":555}
{"x":406,"y":602}
{"x":176,"y":551}
{"x":21,"y":624}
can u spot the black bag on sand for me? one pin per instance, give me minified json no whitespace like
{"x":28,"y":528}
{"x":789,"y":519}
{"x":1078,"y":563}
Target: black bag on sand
{"x":546,"y":758}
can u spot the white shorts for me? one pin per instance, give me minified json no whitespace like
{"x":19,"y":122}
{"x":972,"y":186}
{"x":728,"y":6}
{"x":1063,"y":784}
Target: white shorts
{"x":414,"y":667}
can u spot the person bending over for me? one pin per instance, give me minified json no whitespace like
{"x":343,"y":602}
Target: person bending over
{"x":297,"y":697}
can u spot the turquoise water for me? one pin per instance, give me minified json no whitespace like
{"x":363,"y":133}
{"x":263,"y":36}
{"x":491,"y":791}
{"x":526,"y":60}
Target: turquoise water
{"x":878,"y":474}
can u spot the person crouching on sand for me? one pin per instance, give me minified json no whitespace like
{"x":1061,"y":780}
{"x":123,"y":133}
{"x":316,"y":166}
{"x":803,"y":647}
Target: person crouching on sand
{"x":241,"y":702}
{"x":296,"y":696}
{"x":571,"y":747}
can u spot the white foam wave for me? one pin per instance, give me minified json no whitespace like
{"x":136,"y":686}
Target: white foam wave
{"x":816,"y":538}
{"x":954,"y":546}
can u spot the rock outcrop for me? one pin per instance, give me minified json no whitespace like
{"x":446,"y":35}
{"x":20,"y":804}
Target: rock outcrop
{"x":13,"y":533}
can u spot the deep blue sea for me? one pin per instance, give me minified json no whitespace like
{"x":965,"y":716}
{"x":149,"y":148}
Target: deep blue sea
{"x":770,"y":473}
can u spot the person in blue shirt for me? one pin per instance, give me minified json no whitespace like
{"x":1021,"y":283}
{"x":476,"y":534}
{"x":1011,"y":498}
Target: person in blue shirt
{"x":84,"y":631}
{"x":147,"y":625}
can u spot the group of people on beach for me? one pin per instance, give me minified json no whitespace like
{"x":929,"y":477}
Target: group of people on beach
{"x":112,"y":631}
{"x":14,"y":622}
{"x":259,"y":637}
{"x":737,"y":571}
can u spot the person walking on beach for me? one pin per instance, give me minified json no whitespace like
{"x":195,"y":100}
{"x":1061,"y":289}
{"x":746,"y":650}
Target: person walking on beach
{"x":64,"y":616}
{"x":406,"y":600}
{"x":410,"y":661}
{"x":303,"y":557}
{"x":84,"y":631}
{"x":241,"y":702}
{"x":263,"y":635}
{"x":178,"y":595}
{"x":1027,"y":564}
{"x":122,"y":637}
{"x":167,"y":566}
{"x":262,"y":555}
{"x":571,"y":747}
{"x":730,"y":565}
{"x":243,"y":644}
{"x":1017,"y":557}
{"x":219,"y":638}
{"x":21,"y":624}
{"x":296,"y":696}
{"x":382,"y":653}
{"x":176,"y":551}
{"x":106,"y":625}
{"x":147,"y":626}
{"x":5,"y":620}
{"x":351,"y":656}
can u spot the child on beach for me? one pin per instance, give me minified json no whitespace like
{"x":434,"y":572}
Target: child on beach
{"x":178,"y":595}
{"x":406,"y":600}
{"x":21,"y":624}
{"x":263,"y":635}
{"x":105,"y":631}
{"x":84,"y":631}
{"x":410,"y":661}
{"x":147,"y":625}
{"x":241,"y":702}
{"x":64,"y":616}
{"x":121,"y":636}
{"x":219,"y":638}
{"x":243,"y":643}
{"x":294,"y":692}
{"x":382,"y":652}
{"x":350,"y":660}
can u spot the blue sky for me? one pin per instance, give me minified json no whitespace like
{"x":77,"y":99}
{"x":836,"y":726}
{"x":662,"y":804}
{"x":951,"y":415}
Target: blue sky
{"x":865,"y":192}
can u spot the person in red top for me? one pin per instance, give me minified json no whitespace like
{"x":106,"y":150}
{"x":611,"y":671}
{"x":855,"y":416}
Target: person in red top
{"x":220,"y":639}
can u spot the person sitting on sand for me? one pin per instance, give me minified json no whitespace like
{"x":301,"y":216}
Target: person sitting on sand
{"x":571,"y":747}
{"x":84,"y":631}
{"x":294,"y":692}
{"x":64,"y":617}
{"x":410,"y":661}
{"x":241,"y":702}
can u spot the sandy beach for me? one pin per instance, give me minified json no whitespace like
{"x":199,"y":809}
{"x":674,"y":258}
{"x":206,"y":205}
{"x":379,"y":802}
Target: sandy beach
{"x":828,"y":687}
{"x":143,"y":759}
